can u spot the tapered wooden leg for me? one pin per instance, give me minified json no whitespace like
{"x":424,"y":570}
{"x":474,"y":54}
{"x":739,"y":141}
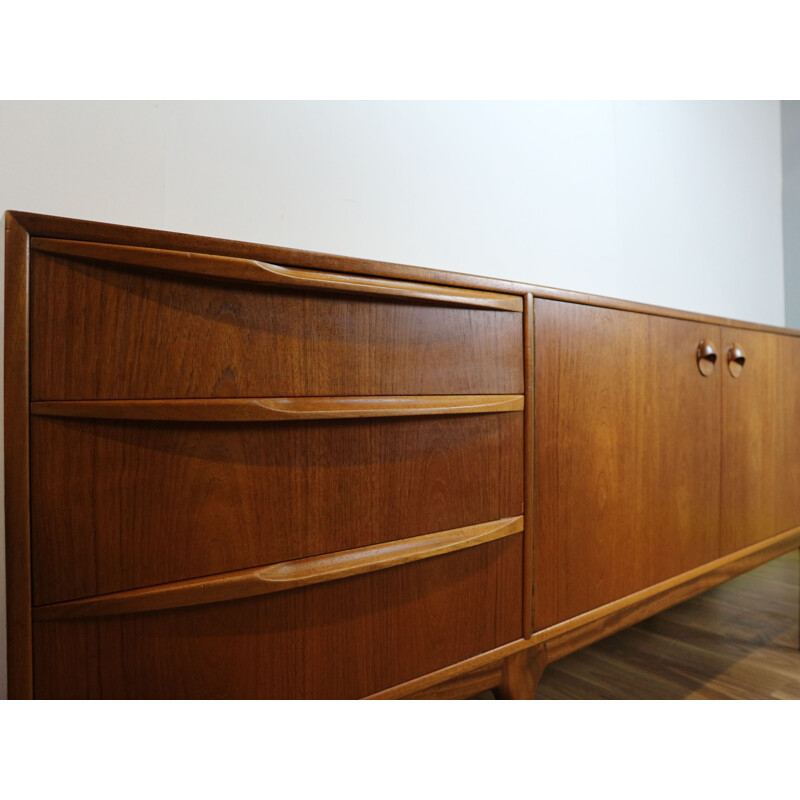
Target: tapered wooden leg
{"x":521,"y":674}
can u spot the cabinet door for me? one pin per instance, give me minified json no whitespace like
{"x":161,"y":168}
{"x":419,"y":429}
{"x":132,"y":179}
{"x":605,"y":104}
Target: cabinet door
{"x":760,"y":411}
{"x":787,"y":478}
{"x":627,"y":455}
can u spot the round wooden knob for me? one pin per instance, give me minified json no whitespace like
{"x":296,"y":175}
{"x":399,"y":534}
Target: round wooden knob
{"x":706,"y":357}
{"x":736,"y":359}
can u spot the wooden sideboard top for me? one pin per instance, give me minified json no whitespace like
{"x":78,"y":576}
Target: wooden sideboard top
{"x":41,"y":225}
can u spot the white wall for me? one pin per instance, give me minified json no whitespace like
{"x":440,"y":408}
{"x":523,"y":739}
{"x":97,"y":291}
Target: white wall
{"x":790,"y":140}
{"x":677,"y":204}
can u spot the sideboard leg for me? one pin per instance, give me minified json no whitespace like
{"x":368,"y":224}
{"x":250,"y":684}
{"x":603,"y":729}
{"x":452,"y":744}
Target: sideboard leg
{"x":521,"y":674}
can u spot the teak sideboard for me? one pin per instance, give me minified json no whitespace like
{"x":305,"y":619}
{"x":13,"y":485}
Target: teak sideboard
{"x":240,"y":471}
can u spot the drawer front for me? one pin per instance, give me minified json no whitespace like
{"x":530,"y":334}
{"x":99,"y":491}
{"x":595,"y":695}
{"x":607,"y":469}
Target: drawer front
{"x":124,"y":504}
{"x":100,"y":331}
{"x":345,"y":639}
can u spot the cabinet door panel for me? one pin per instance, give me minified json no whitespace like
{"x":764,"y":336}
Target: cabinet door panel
{"x":761,"y":474}
{"x":787,"y":477}
{"x":627,"y":455}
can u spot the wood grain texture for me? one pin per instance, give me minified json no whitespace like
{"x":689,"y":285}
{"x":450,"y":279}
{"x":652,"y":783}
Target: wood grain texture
{"x":45,"y":226}
{"x":529,"y":454}
{"x":627,"y":455}
{"x":448,"y":681}
{"x":174,"y":501}
{"x":629,"y":447}
{"x":42,"y":225}
{"x":736,"y":641}
{"x":176,"y":339}
{"x":305,"y":643}
{"x":761,"y":437}
{"x":285,"y":576}
{"x":462,"y":686}
{"x":754,"y":407}
{"x":264,"y":409}
{"x":566,"y":637}
{"x":225,"y":269}
{"x":787,"y":473}
{"x":17,"y":469}
{"x":521,"y":674}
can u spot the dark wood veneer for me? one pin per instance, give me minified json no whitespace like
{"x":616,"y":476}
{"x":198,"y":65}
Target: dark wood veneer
{"x":344,"y":639}
{"x":260,"y":273}
{"x":43,"y":225}
{"x":236,"y":470}
{"x":118,"y":505}
{"x":284,"y":576}
{"x":17,"y":457}
{"x":101,"y":333}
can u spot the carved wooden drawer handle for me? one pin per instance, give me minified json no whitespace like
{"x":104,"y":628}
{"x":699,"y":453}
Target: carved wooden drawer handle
{"x":248,"y":270}
{"x":736,"y":359}
{"x":706,"y":357}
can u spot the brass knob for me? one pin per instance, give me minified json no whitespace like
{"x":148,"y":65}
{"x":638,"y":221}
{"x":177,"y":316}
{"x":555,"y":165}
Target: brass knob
{"x":706,"y":357}
{"x":736,"y":359}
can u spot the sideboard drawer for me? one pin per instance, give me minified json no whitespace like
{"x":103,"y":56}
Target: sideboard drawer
{"x":104,"y":330}
{"x":124,"y":504}
{"x":344,"y":639}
